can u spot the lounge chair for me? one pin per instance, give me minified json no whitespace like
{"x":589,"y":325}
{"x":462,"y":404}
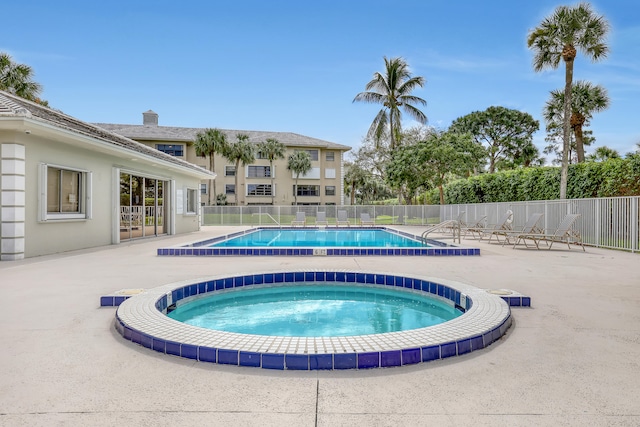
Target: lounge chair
{"x":531,"y":226}
{"x":563,"y":234}
{"x":321,"y":218}
{"x":342,"y":218}
{"x":301,"y":219}
{"x":365,"y":219}
{"x":503,"y":224}
{"x":478,"y":223}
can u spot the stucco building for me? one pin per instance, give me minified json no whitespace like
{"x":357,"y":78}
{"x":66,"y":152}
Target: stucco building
{"x":66,"y":184}
{"x":323,"y":185}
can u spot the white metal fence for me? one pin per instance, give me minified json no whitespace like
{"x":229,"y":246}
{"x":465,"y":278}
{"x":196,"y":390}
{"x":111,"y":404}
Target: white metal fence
{"x":607,"y":222}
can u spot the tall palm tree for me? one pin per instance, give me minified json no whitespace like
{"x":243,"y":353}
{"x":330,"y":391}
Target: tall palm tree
{"x":272,"y":149}
{"x":392,"y":89}
{"x":603,"y":153}
{"x":559,"y":37}
{"x":18,"y":79}
{"x":208,"y":143}
{"x":241,"y":151}
{"x":299,"y":163}
{"x":586,"y":99}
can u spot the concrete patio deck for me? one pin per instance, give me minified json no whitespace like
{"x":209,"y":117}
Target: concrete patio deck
{"x":573,"y":358}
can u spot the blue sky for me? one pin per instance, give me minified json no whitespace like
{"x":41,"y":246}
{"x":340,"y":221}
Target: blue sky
{"x":295,"y":66}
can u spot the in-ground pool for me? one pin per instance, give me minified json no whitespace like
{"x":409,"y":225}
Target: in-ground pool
{"x":321,"y":309}
{"x":329,"y":241}
{"x":143,"y":319}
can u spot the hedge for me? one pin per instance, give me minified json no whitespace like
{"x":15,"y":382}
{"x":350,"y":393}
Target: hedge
{"x":611,"y":178}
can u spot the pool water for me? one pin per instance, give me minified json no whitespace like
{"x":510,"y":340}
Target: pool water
{"x":321,"y":238}
{"x":315,"y":310}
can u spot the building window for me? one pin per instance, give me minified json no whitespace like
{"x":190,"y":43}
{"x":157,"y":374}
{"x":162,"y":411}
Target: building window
{"x":174,"y":150}
{"x":331,"y":156}
{"x":330,"y":190}
{"x":307,"y":190}
{"x":229,"y":171}
{"x":259,"y":190}
{"x":203,"y":188}
{"x":67,"y":193}
{"x":230,"y":189}
{"x":259,"y":171}
{"x":313,"y":154}
{"x":329,"y":173}
{"x":260,"y":155}
{"x":192,"y":201}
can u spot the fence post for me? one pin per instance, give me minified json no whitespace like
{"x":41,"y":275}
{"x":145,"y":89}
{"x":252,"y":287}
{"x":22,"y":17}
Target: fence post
{"x":634,"y":223}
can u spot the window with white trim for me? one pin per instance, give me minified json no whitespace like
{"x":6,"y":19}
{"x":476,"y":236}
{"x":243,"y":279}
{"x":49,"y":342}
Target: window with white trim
{"x":330,"y":156}
{"x":229,"y":171}
{"x":230,"y":189}
{"x":192,"y":201}
{"x":258,"y":171}
{"x":259,"y":190}
{"x":65,"y":193}
{"x":330,"y":190}
{"x":203,"y":188}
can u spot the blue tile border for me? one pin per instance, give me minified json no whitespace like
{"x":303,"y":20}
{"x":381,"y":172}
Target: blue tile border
{"x":200,"y":248}
{"x":163,"y":298}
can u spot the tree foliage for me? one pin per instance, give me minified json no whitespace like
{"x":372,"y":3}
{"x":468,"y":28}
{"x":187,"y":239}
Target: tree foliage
{"x":18,"y":79}
{"x":559,"y":37}
{"x":299,"y":163}
{"x":207,"y":144}
{"x":272,"y":149}
{"x":239,"y":152}
{"x":586,"y":100}
{"x":507,"y":135}
{"x":392,"y":89}
{"x":428,"y":163}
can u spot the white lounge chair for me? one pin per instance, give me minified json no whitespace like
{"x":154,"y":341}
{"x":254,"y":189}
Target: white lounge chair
{"x":343,"y":219}
{"x":478,"y":223}
{"x":321,"y":218}
{"x":563,"y":234}
{"x":301,"y":220}
{"x":365,"y":219}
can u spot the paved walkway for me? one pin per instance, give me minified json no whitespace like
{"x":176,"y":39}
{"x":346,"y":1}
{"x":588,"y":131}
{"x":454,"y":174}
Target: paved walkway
{"x":571,"y":359}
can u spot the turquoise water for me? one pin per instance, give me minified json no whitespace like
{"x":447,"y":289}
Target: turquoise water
{"x":320,"y":310}
{"x":321,"y":238}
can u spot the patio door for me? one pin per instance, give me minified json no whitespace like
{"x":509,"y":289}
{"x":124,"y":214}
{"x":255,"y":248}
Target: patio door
{"x":142,"y":207}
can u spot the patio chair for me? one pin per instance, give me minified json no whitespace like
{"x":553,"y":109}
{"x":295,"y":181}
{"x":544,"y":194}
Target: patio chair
{"x":531,"y":226}
{"x":478,"y":223}
{"x":301,"y":219}
{"x":342,"y":219}
{"x":365,"y":219}
{"x":321,"y":218}
{"x":563,"y":234}
{"x":503,"y":224}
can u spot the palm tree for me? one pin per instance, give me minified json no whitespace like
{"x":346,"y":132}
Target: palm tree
{"x":241,"y":151}
{"x":299,"y":163}
{"x":560,"y":36}
{"x":392,"y":89}
{"x":272,"y":149}
{"x":602,"y":154}
{"x":586,"y":99}
{"x":208,"y":143}
{"x":18,"y":79}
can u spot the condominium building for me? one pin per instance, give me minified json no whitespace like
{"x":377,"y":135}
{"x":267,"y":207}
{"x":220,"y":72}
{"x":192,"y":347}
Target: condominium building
{"x":322,"y":185}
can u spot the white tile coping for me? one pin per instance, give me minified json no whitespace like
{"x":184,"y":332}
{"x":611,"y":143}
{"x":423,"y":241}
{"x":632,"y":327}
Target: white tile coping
{"x":487,"y":312}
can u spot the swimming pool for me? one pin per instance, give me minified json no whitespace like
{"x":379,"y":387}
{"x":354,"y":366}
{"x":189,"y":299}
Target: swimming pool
{"x":315,"y":309}
{"x":354,"y":241}
{"x":143,"y":319}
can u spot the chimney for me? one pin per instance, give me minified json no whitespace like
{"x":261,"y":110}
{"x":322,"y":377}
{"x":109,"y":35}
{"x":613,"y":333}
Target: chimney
{"x":150,"y":118}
